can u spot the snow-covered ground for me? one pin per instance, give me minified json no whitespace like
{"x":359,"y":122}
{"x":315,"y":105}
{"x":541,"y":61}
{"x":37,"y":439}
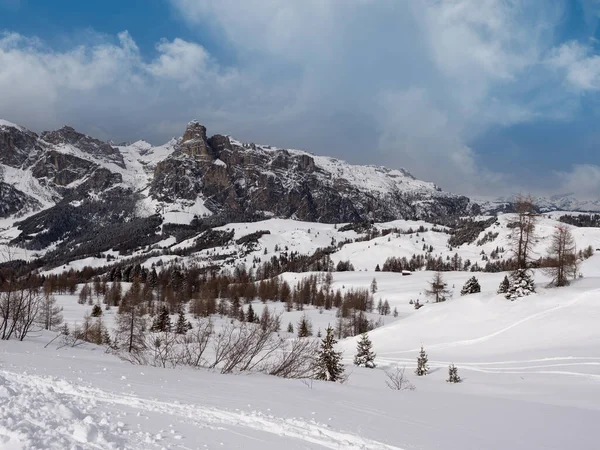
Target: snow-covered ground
{"x":530,"y":369}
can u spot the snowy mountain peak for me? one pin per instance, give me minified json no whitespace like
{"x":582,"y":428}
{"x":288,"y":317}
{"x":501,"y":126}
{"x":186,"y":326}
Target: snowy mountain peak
{"x":7,"y":124}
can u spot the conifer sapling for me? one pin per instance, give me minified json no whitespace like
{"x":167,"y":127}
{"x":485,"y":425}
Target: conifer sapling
{"x":422,"y":366}
{"x":329,"y":365}
{"x":453,"y":374}
{"x":364,"y":355}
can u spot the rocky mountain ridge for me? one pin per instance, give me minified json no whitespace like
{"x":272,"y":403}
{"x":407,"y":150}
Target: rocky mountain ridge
{"x":61,"y":189}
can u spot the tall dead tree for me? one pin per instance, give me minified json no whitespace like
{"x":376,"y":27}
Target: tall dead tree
{"x":523,"y":236}
{"x":522,"y":241}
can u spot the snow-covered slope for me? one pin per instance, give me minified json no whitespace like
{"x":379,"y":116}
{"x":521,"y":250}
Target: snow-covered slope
{"x":530,"y":369}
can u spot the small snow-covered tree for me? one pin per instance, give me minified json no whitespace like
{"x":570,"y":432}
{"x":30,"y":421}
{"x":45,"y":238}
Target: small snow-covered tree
{"x":521,"y":284}
{"x":422,"y":366}
{"x":290,"y":328}
{"x":453,"y":374}
{"x":364,"y":355}
{"x":395,"y":312}
{"x":504,"y":285}
{"x":471,"y":287}
{"x":329,"y":365}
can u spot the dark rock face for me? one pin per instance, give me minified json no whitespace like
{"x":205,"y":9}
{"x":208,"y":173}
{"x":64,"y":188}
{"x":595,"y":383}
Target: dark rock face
{"x":14,"y":201}
{"x":18,"y":146}
{"x":61,"y":169}
{"x":239,"y":181}
{"x":87,"y":144}
{"x":84,"y":177}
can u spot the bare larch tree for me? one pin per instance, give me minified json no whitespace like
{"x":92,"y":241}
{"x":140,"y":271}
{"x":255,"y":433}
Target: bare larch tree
{"x":562,"y":257}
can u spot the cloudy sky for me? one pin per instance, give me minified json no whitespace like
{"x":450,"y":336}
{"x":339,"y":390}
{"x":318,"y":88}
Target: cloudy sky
{"x":486,"y":97}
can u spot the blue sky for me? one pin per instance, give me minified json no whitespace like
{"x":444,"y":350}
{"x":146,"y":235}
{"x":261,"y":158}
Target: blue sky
{"x":486,"y":97}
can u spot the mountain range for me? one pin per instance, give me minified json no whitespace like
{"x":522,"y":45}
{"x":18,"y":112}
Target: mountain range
{"x":66,"y":191}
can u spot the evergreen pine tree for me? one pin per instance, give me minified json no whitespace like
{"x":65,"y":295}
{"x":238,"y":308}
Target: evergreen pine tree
{"x":329,"y":362}
{"x":364,"y":355}
{"x":453,"y":374}
{"x":290,"y":328}
{"x":250,"y":317}
{"x":386,"y":308}
{"x":471,"y":287}
{"x":504,"y":285}
{"x":183,"y":325}
{"x":304,"y":327}
{"x":521,"y":284}
{"x":422,"y":366}
{"x":162,"y":321}
{"x":395,"y":312}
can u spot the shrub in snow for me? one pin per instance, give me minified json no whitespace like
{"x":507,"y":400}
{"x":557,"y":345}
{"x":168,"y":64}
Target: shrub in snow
{"x":422,"y":366}
{"x":471,"y":287}
{"x":96,"y":311}
{"x":329,"y":365}
{"x":453,"y":374}
{"x":397,"y":380}
{"x":521,"y":284}
{"x":364,"y":355}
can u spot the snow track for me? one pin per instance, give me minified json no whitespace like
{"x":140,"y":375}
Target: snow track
{"x":29,"y":418}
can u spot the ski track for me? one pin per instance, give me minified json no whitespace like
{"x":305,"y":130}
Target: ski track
{"x":487,"y":337}
{"x":513,"y":367}
{"x":29,"y":413}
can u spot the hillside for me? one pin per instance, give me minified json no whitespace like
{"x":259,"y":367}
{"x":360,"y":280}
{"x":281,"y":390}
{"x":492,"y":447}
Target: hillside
{"x":530,"y":374}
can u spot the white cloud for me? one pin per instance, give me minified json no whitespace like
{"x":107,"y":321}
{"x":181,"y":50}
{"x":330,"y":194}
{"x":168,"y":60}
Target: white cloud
{"x":582,"y":180}
{"x":581,"y":66}
{"x":404,"y":83}
{"x":430,"y":74}
{"x":108,"y":88}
